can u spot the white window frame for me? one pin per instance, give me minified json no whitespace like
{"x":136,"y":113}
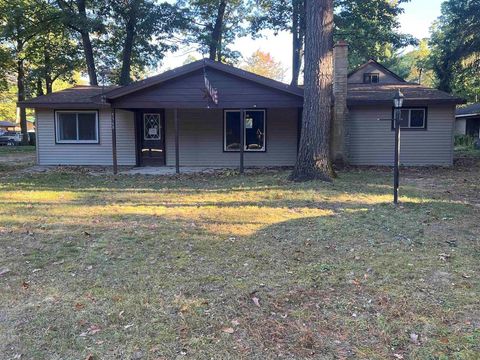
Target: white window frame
{"x":410,"y":118}
{"x":264,"y":149}
{"x":57,"y":127}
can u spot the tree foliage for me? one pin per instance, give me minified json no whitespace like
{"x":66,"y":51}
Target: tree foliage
{"x":370,"y":27}
{"x":456,"y":48}
{"x":139,"y":33}
{"x":214,"y":25}
{"x":264,"y":64}
{"x":415,"y":66}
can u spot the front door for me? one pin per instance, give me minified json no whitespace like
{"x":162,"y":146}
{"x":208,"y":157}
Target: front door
{"x":152,"y":139}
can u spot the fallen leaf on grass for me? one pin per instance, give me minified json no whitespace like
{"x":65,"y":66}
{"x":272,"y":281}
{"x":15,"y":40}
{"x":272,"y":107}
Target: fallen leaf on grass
{"x":414,"y":338}
{"x":444,"y":340}
{"x":25,"y":285}
{"x":79,"y":306}
{"x":256,"y":301}
{"x":444,"y":257}
{"x":89,"y":357}
{"x":228,"y":330}
{"x":92,"y":330}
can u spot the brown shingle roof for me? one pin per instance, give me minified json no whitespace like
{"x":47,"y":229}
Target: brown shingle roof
{"x":77,"y":96}
{"x":358,"y":94}
{"x":364,"y":94}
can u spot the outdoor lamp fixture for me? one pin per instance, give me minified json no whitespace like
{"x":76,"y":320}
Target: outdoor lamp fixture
{"x":398,"y":104}
{"x":398,"y":100}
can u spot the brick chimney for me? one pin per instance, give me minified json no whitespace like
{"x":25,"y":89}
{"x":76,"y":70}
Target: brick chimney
{"x":338,"y":133}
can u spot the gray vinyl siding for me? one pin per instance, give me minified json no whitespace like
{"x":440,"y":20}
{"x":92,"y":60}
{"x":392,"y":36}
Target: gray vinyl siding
{"x":201,"y":139}
{"x":371,"y":142}
{"x":50,"y":153}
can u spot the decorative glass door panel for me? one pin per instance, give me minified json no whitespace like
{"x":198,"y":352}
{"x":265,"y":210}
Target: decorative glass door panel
{"x":152,"y":139}
{"x":152,"y":127}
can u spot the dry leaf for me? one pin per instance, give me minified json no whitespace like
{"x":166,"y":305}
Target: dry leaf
{"x":414,"y":338}
{"x":256,"y":301}
{"x":228,"y":330}
{"x":89,"y":357}
{"x":25,"y":285}
{"x":79,"y":306}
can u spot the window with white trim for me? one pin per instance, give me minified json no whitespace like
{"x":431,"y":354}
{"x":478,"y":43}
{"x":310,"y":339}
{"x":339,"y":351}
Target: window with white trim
{"x":254,"y":130}
{"x":76,"y":127}
{"x":413,"y":118}
{"x":371,"y":78}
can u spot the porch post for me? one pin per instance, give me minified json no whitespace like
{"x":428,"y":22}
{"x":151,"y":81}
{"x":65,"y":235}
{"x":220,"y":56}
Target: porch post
{"x":177,"y":151}
{"x":114,"y":143}
{"x":242,"y":138}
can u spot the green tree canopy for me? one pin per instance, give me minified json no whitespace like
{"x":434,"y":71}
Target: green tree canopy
{"x":456,"y":48}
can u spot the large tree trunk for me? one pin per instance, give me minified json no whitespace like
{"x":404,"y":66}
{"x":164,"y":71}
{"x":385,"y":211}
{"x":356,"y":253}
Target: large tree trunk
{"x":298,"y":14}
{"x":87,"y":45}
{"x":314,"y":152}
{"x":127,"y":47}
{"x":21,"y":97}
{"x":216,"y":38}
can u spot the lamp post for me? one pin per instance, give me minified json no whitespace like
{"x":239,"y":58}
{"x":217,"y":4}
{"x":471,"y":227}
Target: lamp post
{"x":398,"y":104}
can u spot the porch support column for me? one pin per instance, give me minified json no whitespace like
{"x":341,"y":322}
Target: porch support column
{"x":242,"y":139}
{"x":114,"y":143}
{"x":177,"y":150}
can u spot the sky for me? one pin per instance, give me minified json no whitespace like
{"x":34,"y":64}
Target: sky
{"x":416,"y":20}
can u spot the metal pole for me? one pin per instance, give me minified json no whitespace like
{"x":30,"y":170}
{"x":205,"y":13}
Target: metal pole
{"x":177,"y":149}
{"x":396,"y":170}
{"x":114,"y":143}
{"x":242,"y":138}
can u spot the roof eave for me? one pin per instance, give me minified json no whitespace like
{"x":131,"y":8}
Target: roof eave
{"x":408,"y":102}
{"x":57,"y":105}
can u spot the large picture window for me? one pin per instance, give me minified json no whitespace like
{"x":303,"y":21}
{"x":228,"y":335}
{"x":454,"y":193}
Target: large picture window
{"x":413,"y":118}
{"x":76,"y":127}
{"x":254,"y":130}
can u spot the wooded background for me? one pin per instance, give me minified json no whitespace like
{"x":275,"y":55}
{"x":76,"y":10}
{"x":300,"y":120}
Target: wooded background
{"x":46,"y":45}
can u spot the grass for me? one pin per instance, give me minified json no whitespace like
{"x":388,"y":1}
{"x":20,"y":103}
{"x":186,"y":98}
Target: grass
{"x":229,"y":266}
{"x":16,"y":149}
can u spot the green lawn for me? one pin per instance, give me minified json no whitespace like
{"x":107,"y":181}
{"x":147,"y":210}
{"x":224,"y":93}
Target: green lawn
{"x":249,"y":267}
{"x":16,"y":149}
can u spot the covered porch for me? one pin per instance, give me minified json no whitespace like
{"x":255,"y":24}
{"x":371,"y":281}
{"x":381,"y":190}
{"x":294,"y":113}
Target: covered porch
{"x":210,"y":138}
{"x":208,"y":114}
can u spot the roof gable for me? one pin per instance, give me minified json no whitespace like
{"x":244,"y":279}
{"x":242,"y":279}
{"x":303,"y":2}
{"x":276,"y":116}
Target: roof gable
{"x":386,"y":76}
{"x":188,"y":91}
{"x":200,"y":65}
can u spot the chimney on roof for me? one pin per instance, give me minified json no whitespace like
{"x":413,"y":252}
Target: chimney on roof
{"x":340,"y":88}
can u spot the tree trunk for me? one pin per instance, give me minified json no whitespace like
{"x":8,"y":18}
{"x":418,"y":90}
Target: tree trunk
{"x":298,"y":14}
{"x":87,"y":45}
{"x":39,"y":86}
{"x":21,"y":97}
{"x":216,"y":37}
{"x":127,"y":47}
{"x":313,"y":160}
